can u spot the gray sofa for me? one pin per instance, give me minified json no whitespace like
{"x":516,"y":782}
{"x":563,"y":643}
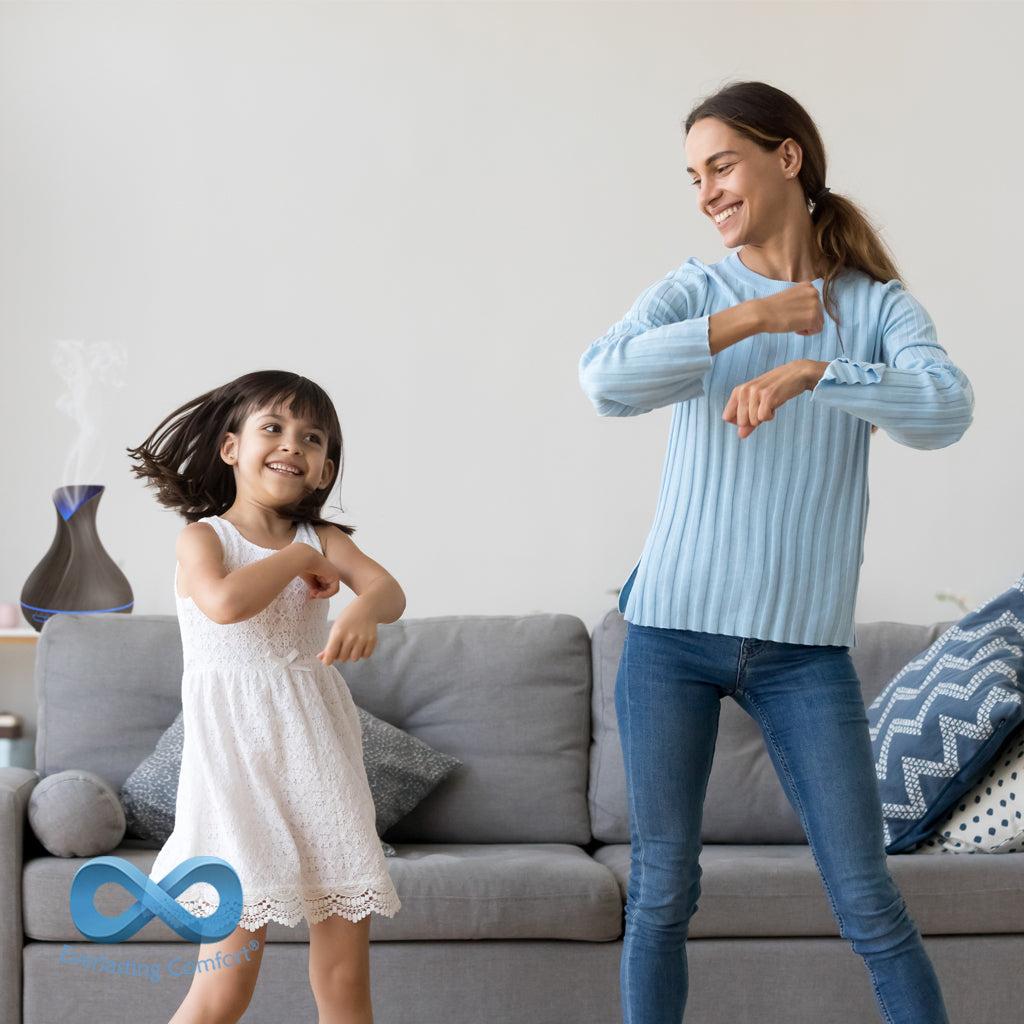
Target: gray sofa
{"x":512,"y":873}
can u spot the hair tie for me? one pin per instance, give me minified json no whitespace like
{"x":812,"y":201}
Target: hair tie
{"x":821,"y":195}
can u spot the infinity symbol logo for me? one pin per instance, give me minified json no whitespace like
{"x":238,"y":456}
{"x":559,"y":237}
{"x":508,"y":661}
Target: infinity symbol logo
{"x":155,"y":899}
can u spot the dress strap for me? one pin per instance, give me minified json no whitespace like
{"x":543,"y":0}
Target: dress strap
{"x":220,"y":528}
{"x":225,"y":540}
{"x":307,"y":532}
{"x":231,"y":549}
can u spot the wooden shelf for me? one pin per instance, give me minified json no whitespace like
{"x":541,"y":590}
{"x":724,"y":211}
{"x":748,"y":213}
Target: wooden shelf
{"x":21,"y":635}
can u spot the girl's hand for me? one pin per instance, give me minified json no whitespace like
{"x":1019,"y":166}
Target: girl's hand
{"x":755,"y":402}
{"x":319,"y":587}
{"x":797,"y":309}
{"x":353,"y":636}
{"x":321,"y":576}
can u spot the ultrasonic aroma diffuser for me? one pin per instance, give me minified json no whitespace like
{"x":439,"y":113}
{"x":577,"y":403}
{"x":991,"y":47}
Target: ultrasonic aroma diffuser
{"x":76,"y":575}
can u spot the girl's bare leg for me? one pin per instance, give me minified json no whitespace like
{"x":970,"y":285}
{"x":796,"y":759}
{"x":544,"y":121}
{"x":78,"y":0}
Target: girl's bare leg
{"x":220,"y":994}
{"x":339,"y":970}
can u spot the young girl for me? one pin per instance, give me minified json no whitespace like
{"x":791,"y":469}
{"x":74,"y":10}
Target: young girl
{"x":746,"y":585}
{"x":272,"y":777}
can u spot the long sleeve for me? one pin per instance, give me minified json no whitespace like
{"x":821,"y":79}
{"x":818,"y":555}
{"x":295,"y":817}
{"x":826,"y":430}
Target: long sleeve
{"x":916,"y":395}
{"x":657,"y":354}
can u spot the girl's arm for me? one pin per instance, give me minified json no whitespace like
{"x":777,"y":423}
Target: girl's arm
{"x":378,"y":593}
{"x":228,"y":597}
{"x":379,"y":598}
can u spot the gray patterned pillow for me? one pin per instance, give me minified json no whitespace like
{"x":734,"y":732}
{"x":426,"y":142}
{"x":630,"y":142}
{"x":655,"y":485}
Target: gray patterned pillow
{"x":400,"y":769}
{"x":149,"y":793}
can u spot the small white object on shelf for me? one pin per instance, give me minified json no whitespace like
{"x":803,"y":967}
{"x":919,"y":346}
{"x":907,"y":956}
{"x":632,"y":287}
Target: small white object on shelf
{"x":21,"y":633}
{"x":10,"y":615}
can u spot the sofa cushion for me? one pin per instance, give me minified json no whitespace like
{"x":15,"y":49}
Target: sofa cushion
{"x":400,"y":770}
{"x":448,"y":891}
{"x":76,"y":814}
{"x":507,"y":695}
{"x":777,"y":890}
{"x":107,"y":686}
{"x":745,"y":802}
{"x":938,"y":724}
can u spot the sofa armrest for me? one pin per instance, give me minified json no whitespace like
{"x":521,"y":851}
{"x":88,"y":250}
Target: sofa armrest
{"x":16,"y":785}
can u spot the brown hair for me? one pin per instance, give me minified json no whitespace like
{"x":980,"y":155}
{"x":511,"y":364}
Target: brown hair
{"x":181,"y":457}
{"x":768,"y":116}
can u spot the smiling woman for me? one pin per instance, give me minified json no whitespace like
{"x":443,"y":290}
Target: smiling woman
{"x":746,"y":130}
{"x":746,"y":585}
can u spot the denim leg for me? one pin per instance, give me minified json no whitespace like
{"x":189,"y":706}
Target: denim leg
{"x":807,"y":700}
{"x":668,"y":723}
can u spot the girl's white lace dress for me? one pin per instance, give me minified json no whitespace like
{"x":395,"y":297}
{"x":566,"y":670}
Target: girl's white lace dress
{"x":272,"y":777}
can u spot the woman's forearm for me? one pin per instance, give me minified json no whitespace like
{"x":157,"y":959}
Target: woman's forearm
{"x":731,"y":325}
{"x":815,"y":368}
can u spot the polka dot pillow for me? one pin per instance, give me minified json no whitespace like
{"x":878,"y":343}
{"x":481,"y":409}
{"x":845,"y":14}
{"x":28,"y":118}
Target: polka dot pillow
{"x":990,"y":817}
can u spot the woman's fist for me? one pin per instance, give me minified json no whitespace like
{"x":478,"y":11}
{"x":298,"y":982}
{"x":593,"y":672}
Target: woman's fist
{"x":797,"y":309}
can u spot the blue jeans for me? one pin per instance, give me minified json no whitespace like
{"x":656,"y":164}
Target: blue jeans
{"x":807,"y":700}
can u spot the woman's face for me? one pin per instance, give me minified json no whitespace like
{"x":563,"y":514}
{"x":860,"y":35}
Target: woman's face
{"x":273,"y":436}
{"x":728,"y":172}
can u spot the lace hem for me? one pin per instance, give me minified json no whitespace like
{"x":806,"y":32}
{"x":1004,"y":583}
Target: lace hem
{"x":288,"y":907}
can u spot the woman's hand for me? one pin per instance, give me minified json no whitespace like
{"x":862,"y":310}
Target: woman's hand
{"x":755,"y":402}
{"x":353,"y":635}
{"x":795,"y":310}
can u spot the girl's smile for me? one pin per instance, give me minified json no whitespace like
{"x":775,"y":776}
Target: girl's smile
{"x":281,"y":468}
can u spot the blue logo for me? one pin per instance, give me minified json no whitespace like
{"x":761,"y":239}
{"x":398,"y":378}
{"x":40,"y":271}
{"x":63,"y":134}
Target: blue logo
{"x":155,"y":899}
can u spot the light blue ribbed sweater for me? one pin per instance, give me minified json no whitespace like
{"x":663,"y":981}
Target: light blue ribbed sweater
{"x":764,"y":536}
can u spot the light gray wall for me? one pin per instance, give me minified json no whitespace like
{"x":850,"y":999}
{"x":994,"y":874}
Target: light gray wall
{"x":432,"y":209}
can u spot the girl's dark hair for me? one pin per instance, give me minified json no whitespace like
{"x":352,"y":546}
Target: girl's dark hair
{"x":768,"y":116}
{"x":182,"y":459}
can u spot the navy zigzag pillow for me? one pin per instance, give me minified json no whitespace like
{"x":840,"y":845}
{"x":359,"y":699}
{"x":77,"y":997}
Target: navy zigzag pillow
{"x":943,"y":717}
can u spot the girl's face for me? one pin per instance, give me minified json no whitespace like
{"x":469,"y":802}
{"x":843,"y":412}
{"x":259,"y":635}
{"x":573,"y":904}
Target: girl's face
{"x":272,"y":437}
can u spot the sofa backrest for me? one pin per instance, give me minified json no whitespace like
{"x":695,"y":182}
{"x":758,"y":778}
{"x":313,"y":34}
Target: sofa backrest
{"x":507,"y":695}
{"x":745,"y":802}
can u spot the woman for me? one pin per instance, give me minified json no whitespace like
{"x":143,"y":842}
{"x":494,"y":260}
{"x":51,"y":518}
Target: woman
{"x":747,"y":582}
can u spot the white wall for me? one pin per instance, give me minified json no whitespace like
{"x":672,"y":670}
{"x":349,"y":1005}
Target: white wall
{"x":432,"y":209}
